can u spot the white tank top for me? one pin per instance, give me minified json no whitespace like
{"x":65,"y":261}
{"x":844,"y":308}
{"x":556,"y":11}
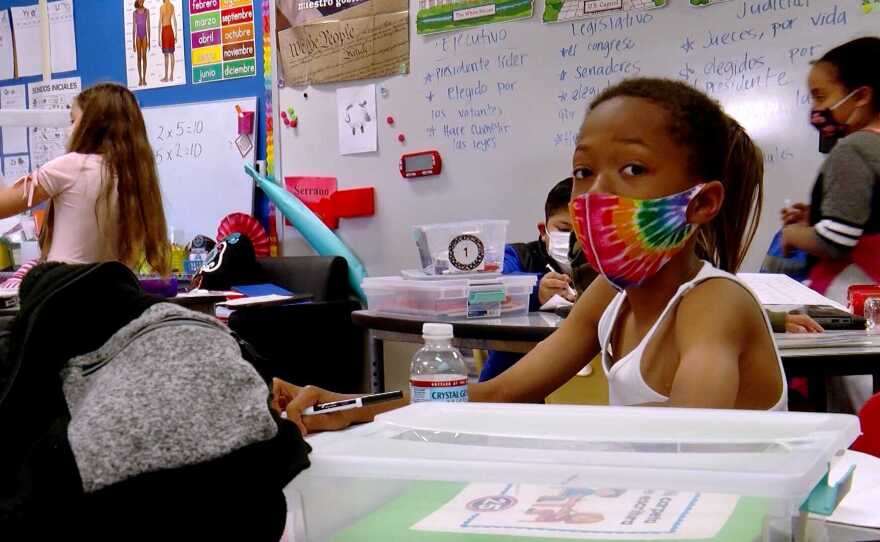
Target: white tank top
{"x":626,"y":386}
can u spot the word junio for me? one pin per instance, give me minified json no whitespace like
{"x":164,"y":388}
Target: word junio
{"x":321,"y":40}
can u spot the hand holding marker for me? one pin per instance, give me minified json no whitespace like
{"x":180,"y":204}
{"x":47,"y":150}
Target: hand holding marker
{"x":349,"y":404}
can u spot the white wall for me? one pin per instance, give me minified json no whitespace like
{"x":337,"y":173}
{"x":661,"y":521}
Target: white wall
{"x":503,"y":164}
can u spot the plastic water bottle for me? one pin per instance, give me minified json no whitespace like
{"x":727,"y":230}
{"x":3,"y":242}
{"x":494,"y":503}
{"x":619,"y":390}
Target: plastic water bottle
{"x":438,"y":372}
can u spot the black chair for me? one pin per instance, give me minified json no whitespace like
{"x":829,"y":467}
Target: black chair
{"x":309,"y":343}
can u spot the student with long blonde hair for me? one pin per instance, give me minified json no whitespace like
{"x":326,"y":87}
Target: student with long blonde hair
{"x":104,"y":198}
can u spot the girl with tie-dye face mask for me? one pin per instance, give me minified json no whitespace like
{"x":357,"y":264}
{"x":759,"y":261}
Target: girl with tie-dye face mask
{"x":666,"y":197}
{"x":667,"y":191}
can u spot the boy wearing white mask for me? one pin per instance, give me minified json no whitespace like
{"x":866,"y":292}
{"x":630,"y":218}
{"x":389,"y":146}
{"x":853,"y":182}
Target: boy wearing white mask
{"x":547,"y":258}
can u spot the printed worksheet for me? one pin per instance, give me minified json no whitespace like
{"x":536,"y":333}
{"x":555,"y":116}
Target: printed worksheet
{"x":7,"y":52}
{"x":62,"y":35}
{"x":28,"y":47}
{"x":49,"y":143}
{"x":581,"y":513}
{"x":14,"y":137}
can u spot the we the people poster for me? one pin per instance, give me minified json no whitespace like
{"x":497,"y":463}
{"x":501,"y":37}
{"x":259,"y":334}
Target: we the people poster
{"x":322,"y":41}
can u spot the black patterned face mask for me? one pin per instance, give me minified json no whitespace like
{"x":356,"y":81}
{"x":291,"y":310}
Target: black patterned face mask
{"x":830,"y":129}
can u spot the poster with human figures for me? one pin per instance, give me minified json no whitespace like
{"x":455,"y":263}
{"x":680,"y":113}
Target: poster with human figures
{"x":154,"y":50}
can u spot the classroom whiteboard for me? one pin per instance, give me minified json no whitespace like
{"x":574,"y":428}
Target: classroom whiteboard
{"x":503,"y":104}
{"x":201,"y":171}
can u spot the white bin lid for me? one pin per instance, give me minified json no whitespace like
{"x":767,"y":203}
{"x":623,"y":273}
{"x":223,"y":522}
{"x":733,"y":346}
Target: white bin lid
{"x":764,"y":454}
{"x":450,"y":282}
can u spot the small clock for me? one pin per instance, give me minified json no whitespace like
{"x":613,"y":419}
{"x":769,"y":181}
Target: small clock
{"x":420,"y":164}
{"x":466,"y":252}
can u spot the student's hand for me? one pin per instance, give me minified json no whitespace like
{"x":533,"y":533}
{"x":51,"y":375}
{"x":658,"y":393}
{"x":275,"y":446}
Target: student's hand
{"x":801,"y":323}
{"x":799,"y":213}
{"x":552,"y":284}
{"x":292,"y":399}
{"x":787,"y":242}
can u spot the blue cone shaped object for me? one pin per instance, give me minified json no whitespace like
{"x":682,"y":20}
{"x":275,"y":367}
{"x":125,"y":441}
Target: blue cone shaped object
{"x":316,"y":233}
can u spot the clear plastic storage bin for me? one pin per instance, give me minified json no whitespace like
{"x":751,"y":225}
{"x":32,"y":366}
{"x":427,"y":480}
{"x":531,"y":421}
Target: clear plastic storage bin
{"x":461,"y":247}
{"x":451,"y":299}
{"x":444,"y":472}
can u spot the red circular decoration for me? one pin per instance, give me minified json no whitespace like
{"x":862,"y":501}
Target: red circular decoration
{"x":246,"y":225}
{"x":390,"y":120}
{"x":401,"y":138}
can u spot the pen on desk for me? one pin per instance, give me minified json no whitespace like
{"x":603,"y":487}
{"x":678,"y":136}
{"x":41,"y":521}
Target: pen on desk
{"x":356,"y":402}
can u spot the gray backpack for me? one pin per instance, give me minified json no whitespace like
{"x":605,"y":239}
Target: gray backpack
{"x":168,"y":390}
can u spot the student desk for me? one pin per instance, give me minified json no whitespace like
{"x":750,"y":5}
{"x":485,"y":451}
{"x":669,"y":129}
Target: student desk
{"x":522,"y":333}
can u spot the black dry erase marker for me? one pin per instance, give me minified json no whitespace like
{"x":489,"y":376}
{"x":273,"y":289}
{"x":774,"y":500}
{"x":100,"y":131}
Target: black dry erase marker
{"x":357,"y":402}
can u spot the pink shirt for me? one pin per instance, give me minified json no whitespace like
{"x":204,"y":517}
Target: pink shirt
{"x":83,"y":229}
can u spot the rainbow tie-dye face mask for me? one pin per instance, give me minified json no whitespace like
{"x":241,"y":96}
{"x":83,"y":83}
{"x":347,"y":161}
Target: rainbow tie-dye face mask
{"x":630,"y":240}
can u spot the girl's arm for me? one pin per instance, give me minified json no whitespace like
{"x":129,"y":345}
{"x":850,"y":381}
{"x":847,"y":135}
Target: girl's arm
{"x":848,"y":185}
{"x":148,"y":28}
{"x":801,"y":237}
{"x":710,"y":343}
{"x":14,"y":199}
{"x":552,"y":363}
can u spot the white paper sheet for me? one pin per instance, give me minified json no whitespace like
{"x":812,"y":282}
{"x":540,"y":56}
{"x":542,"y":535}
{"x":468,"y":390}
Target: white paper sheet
{"x":62,"y":35}
{"x":581,"y":513}
{"x":28,"y":47}
{"x":49,"y":143}
{"x":773,"y":289}
{"x":356,"y":116}
{"x":7,"y":52}
{"x":558,"y":301}
{"x":14,"y":168}
{"x":14,"y":138}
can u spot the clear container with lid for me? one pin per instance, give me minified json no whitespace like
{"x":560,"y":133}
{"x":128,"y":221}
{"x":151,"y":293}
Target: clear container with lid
{"x":451,"y":299}
{"x":452,"y":472}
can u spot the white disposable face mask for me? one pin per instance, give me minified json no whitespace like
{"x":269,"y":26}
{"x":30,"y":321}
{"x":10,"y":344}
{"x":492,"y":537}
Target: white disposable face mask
{"x":557,"y":247}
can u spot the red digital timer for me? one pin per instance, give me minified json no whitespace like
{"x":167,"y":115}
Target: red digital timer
{"x":420,"y":164}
